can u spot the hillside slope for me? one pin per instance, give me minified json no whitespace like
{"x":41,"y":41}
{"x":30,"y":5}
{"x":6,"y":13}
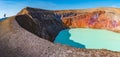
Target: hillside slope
{"x":18,"y":42}
{"x":40,"y":22}
{"x":98,"y":18}
{"x":16,"y":39}
{"x":48,"y":23}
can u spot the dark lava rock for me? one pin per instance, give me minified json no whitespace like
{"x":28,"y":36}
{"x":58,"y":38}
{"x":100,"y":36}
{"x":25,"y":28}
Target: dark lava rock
{"x":16,"y":39}
{"x":43,"y":23}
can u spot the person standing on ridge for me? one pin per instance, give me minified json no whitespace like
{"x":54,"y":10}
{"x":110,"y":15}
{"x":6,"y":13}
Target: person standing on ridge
{"x":4,"y":15}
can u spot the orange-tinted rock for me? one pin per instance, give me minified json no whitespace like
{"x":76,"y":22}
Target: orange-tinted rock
{"x":18,"y":42}
{"x":47,"y":23}
{"x":96,"y":19}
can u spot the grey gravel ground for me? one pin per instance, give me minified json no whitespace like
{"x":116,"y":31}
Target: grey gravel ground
{"x":18,"y":42}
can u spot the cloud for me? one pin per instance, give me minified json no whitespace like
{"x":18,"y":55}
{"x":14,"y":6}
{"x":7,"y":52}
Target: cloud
{"x":114,"y":6}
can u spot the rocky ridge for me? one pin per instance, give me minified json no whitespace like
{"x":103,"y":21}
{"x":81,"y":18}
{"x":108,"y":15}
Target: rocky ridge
{"x":21,"y":35}
{"x":41,"y":22}
{"x":48,"y":23}
{"x":98,"y":18}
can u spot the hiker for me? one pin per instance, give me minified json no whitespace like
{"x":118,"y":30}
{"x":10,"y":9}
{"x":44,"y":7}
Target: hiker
{"x":4,"y":15}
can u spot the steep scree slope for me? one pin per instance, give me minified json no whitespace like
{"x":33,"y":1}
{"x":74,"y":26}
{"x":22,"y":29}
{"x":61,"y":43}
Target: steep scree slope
{"x":18,"y":42}
{"x":98,"y":18}
{"x":43,"y":23}
{"x":48,"y":23}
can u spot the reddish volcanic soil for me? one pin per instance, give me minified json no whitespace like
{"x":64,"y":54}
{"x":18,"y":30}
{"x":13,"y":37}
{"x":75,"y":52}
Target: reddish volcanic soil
{"x":98,"y":18}
{"x":31,"y":32}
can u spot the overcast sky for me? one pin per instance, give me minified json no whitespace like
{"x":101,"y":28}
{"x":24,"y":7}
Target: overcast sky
{"x":12,"y":7}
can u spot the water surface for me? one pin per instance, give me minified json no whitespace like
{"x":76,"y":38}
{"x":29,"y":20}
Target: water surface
{"x":89,"y":38}
{"x":1,"y":19}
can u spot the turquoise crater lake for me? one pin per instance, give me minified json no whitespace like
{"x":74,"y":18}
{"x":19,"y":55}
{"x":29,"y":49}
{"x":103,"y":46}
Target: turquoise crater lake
{"x":1,"y":19}
{"x":89,"y":38}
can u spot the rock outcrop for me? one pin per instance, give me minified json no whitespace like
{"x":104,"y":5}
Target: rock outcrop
{"x":99,"y":18}
{"x":43,"y":23}
{"x":21,"y":36}
{"x":47,"y":23}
